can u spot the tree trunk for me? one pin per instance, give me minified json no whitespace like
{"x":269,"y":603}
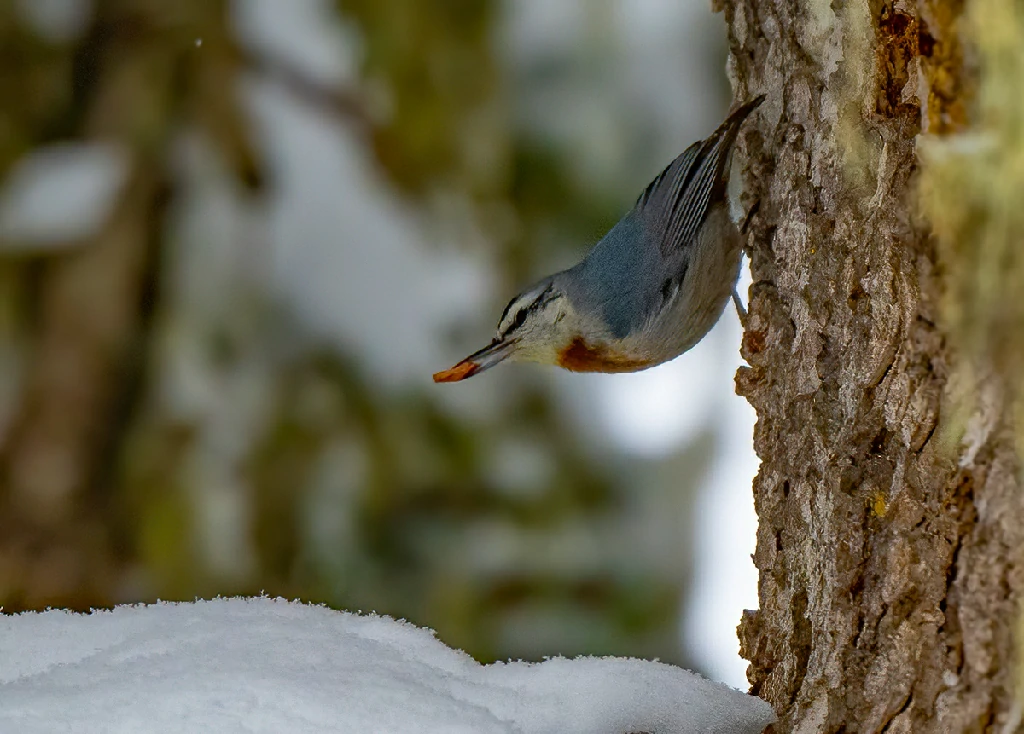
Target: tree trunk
{"x":82,"y":317}
{"x":891,"y":560}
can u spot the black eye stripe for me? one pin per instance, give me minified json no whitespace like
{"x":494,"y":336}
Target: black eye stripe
{"x":501,"y":319}
{"x":543,"y":298}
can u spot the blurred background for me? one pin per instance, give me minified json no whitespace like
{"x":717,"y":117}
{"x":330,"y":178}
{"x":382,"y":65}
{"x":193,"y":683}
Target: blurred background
{"x":236,"y":239}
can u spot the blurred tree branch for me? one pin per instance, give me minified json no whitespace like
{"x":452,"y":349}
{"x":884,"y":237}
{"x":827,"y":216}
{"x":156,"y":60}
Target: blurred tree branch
{"x":87,"y":326}
{"x":343,"y":105}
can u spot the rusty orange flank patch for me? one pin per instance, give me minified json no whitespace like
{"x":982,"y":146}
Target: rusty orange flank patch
{"x":582,"y":357}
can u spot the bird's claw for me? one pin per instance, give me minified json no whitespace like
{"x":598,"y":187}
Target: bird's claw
{"x":740,"y":311}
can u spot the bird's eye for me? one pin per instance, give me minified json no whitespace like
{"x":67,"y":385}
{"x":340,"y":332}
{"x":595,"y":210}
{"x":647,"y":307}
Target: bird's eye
{"x":519,"y":320}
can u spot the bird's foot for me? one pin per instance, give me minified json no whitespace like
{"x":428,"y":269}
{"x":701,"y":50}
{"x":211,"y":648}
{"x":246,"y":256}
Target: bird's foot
{"x":740,"y":311}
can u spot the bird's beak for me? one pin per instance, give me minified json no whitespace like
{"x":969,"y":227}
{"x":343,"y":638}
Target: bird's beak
{"x":477,"y":362}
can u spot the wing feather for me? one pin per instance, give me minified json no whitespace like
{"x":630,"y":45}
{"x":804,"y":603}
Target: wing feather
{"x":676,"y":203}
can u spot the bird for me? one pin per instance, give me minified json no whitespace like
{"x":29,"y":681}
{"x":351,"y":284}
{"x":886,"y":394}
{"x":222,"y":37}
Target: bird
{"x":649,"y":290}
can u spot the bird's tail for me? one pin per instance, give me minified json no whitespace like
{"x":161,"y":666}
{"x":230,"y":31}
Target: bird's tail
{"x":718,"y":145}
{"x":736,"y":117}
{"x":722,"y":139}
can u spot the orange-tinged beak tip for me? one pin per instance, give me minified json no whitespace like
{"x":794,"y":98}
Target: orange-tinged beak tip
{"x":460,"y":371}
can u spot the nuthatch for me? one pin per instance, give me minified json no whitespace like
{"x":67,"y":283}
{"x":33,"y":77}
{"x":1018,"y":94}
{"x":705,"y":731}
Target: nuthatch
{"x":648,"y":291}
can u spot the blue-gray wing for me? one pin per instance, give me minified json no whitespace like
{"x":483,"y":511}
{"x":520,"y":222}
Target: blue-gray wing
{"x":676,"y":203}
{"x":640,"y":264}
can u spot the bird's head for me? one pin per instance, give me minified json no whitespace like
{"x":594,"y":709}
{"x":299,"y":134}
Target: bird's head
{"x":533,"y":328}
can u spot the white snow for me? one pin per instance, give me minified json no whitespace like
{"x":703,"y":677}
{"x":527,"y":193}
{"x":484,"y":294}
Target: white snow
{"x":61,"y":193}
{"x":269,"y":665}
{"x":58,"y":21}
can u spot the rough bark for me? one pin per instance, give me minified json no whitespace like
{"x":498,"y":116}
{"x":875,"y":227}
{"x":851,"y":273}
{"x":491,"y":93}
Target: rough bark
{"x":891,"y":561}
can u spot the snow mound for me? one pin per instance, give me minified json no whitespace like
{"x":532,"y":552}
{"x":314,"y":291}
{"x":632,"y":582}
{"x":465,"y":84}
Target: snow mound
{"x":269,"y":665}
